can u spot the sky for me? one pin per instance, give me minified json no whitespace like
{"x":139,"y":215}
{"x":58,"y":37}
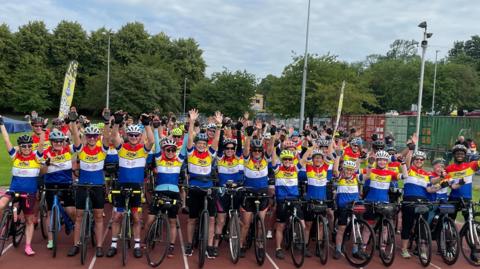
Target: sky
{"x":261,"y":36}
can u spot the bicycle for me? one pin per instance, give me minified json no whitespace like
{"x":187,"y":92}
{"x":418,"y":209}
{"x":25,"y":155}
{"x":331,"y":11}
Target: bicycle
{"x":232,"y":230}
{"x":395,"y":194}
{"x":43,"y":213}
{"x":470,"y":233}
{"x":158,"y":235}
{"x":352,"y":237}
{"x":58,"y":216}
{"x":320,"y":225}
{"x":256,"y":231}
{"x":126,"y":229}
{"x":447,"y":235}
{"x":385,"y":231}
{"x":87,"y":227}
{"x":421,"y":232}
{"x":294,"y":234}
{"x":11,"y":224}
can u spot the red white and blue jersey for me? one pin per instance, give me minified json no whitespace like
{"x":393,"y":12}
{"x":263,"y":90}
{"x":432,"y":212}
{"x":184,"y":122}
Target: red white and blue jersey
{"x":317,"y":182}
{"x":132,"y":161}
{"x":25,"y":171}
{"x":416,"y":183}
{"x":347,"y":191}
{"x":168,"y":172}
{"x":466,"y":171}
{"x":200,"y":167}
{"x":379,"y":184}
{"x":92,"y":161}
{"x":60,"y":169}
{"x":286,"y":182}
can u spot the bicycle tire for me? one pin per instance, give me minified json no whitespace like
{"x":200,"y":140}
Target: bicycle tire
{"x":54,"y":229}
{"x":448,"y":237}
{"x":84,"y":236}
{"x":260,"y":239}
{"x":388,"y":254}
{"x":466,"y":245}
{"x":358,"y":241}
{"x":43,"y":216}
{"x":5,"y":229}
{"x":250,"y":236}
{"x":158,"y":237}
{"x":322,"y":243}
{"x":125,"y":237}
{"x":297,"y":243}
{"x":202,"y":238}
{"x":234,"y":237}
{"x":18,"y":231}
{"x":424,"y":238}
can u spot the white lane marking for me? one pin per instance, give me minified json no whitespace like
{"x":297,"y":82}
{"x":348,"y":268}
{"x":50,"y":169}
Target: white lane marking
{"x":94,"y":259}
{"x":7,"y":248}
{"x":180,"y":236}
{"x":431,"y":264}
{"x":271,"y":261}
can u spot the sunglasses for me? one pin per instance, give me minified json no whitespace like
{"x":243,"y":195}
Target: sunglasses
{"x":133,"y":135}
{"x":91,"y":136}
{"x":419,"y":159}
{"x":26,"y":146}
{"x":229,"y":148}
{"x":176,"y":137}
{"x":258,"y":150}
{"x":57,"y":141}
{"x":287,"y":159}
{"x":37,"y":126}
{"x":171,"y":150}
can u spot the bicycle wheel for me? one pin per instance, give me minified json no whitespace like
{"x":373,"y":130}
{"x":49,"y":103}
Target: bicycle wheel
{"x":386,"y":242}
{"x":234,"y":237}
{"x":470,"y":242}
{"x":250,"y":235}
{"x":5,"y":229}
{"x":18,"y":231}
{"x":353,"y":242}
{"x":322,"y":244}
{"x":297,"y":243}
{"x":158,"y":241}
{"x":84,"y":236}
{"x":43,"y":216}
{"x":448,"y":240}
{"x":260,"y":239}
{"x":125,"y":237}
{"x":55,"y":223}
{"x":424,"y":242}
{"x":202,"y":238}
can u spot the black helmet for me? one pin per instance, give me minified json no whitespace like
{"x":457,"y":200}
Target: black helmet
{"x":378,"y":145}
{"x":37,"y":120}
{"x":201,"y":137}
{"x":256,"y":143}
{"x":229,"y":141}
{"x":459,"y":147}
{"x":24,"y":139}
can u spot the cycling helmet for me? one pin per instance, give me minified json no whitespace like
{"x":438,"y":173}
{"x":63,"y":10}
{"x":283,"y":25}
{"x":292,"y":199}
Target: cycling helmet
{"x":267,"y":136}
{"x":37,"y":120}
{"x":25,"y":139}
{"x":295,"y":133}
{"x":356,"y":141}
{"x":323,"y":143}
{"x":419,"y":155}
{"x":57,"y":121}
{"x":56,"y":136}
{"x":256,"y":144}
{"x":317,"y":152}
{"x":177,"y":132}
{"x":349,"y":164}
{"x":286,"y":154}
{"x":133,"y":129}
{"x":390,"y":149}
{"x":211,"y":126}
{"x":378,"y":145}
{"x":229,"y":141}
{"x":288,"y":144}
{"x":201,"y":137}
{"x":459,"y":147}
{"x":92,"y":130}
{"x":381,"y":154}
{"x":168,"y":143}
{"x":438,"y":161}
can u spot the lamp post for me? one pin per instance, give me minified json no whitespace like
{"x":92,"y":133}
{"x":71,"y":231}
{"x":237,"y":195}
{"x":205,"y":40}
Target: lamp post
{"x":434,"y":82}
{"x":304,"y":80}
{"x":424,"y":45}
{"x":108,"y":72}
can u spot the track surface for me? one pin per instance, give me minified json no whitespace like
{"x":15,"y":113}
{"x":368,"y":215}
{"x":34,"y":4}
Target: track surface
{"x":15,"y":257}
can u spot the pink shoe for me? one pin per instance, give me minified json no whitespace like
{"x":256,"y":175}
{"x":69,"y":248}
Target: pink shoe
{"x":29,"y":251}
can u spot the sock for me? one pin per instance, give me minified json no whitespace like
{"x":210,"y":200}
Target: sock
{"x":137,"y":243}
{"x":114,"y":242}
{"x":338,"y":248}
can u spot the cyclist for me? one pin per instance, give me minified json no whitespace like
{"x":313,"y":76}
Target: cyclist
{"x":347,"y":191}
{"x":200,"y":160}
{"x":39,"y":127}
{"x":353,"y":151}
{"x":132,"y":159}
{"x":92,"y":159}
{"x":58,"y":175}
{"x":256,"y":163}
{"x":25,"y":171}
{"x":286,"y":188}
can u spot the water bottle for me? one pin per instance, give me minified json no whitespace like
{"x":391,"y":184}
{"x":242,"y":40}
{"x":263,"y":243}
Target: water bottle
{"x":15,"y":215}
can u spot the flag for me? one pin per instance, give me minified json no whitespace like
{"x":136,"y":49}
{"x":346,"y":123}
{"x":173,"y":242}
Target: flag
{"x":340,"y":105}
{"x":68,"y":88}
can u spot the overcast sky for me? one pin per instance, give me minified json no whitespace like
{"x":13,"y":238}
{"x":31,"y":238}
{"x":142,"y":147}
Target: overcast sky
{"x":262,"y":35}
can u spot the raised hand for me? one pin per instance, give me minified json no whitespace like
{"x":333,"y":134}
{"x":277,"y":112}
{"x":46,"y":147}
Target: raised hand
{"x":193,"y":114}
{"x":218,"y":117}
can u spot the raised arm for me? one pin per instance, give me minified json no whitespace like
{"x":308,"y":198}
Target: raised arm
{"x":191,"y":127}
{"x":73,"y":116}
{"x":115,"y":136}
{"x":218,"y":121}
{"x":5,"y":136}
{"x":306,"y":155}
{"x":146,"y":119}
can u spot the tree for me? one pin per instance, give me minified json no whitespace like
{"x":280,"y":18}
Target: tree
{"x":7,"y":51}
{"x":130,"y":42}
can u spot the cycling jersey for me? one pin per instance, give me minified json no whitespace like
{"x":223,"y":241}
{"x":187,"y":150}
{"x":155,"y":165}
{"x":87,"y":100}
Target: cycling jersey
{"x":379,"y":183}
{"x":168,"y":172}
{"x":394,"y":166}
{"x":286,"y":182}
{"x":256,"y":173}
{"x":230,"y":168}
{"x":132,"y":160}
{"x":25,"y":171}
{"x":200,"y":167}
{"x":466,"y":171}
{"x":347,"y":191}
{"x":415,"y":185}
{"x":91,"y":164}
{"x":36,"y":140}
{"x":112,"y":155}
{"x":349,"y":155}
{"x":60,"y":169}
{"x":317,"y":182}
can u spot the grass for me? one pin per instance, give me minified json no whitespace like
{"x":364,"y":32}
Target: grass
{"x":5,"y":162}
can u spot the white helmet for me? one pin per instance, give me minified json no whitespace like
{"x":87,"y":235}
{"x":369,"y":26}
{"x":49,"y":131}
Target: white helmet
{"x":419,"y":154}
{"x":381,"y":154}
{"x":349,"y":164}
{"x":92,"y":130}
{"x":134,"y":129}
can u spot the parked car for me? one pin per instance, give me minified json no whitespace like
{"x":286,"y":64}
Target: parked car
{"x":475,"y":112}
{"x":408,"y":113}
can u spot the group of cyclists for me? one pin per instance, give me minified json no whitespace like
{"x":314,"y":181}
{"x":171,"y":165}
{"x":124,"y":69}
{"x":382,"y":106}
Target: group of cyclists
{"x":184,"y":159}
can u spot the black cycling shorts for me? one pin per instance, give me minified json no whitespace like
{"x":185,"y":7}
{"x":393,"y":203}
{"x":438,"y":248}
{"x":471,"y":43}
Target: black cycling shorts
{"x":97,"y":196}
{"x":66,"y":196}
{"x":172,"y":211}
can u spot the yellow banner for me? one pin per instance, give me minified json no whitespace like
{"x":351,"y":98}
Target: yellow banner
{"x":340,"y":106}
{"x":68,"y":88}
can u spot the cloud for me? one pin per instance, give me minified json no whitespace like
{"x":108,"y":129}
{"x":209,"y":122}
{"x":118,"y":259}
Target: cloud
{"x":259,"y":36}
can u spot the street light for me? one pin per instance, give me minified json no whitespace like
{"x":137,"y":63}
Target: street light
{"x":424,"y":45}
{"x":108,"y":70}
{"x":434,"y":82}
{"x":304,"y":80}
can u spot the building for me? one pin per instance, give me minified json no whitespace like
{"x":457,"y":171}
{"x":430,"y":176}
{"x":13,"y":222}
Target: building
{"x":257,"y":103}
